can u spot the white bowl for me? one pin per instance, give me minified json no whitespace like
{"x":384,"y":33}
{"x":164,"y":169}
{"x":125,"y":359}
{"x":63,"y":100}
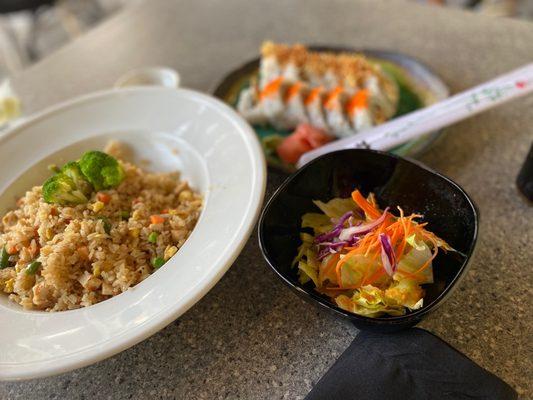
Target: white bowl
{"x":217,"y":152}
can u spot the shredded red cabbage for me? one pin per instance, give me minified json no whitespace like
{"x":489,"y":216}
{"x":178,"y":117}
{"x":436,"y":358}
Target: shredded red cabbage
{"x":388,"y":258}
{"x":349,"y":233}
{"x":336,"y":229}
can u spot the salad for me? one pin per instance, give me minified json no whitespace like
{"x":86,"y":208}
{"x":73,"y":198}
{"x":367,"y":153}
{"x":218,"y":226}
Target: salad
{"x":367,"y":260}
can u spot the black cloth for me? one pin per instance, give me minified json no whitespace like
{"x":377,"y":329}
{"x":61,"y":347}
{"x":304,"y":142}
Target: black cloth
{"x":412,"y":364}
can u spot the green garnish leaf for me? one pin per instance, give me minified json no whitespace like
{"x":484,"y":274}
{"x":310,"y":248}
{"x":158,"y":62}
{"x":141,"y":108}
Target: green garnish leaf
{"x":4,"y":258}
{"x":32,"y":268}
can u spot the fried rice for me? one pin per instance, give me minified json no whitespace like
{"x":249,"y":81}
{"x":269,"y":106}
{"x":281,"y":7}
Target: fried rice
{"x":91,"y":252}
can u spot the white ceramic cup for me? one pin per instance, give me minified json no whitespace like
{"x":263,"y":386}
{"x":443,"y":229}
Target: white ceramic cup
{"x":150,"y":76}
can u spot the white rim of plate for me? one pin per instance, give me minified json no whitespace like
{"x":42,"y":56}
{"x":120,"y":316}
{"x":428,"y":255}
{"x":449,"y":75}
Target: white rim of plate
{"x":71,"y":361}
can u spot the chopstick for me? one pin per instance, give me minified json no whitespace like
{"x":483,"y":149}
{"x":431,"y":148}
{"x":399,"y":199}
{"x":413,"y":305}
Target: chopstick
{"x":463,"y":105}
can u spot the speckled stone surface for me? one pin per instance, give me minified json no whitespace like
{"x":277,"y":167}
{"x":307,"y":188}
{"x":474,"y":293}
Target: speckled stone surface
{"x":250,"y":337}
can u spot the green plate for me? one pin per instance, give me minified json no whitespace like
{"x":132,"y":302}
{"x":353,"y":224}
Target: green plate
{"x":418,"y":85}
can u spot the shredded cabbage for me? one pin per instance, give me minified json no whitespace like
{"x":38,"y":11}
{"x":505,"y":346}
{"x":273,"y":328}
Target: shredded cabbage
{"x":337,"y":207}
{"x":356,"y":268}
{"x":370,"y":302}
{"x":320,"y":223}
{"x":406,"y":293}
{"x":412,"y":261}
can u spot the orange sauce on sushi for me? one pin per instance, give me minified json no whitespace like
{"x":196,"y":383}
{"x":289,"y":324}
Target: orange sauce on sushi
{"x":271,"y":88}
{"x":332,"y":96}
{"x":358,"y":101}
{"x":313,"y":95}
{"x":293,"y":91}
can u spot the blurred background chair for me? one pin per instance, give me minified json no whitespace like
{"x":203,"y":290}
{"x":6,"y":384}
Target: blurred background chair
{"x":31,"y":29}
{"x":20,"y":53}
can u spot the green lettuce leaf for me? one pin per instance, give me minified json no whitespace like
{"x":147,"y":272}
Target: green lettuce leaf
{"x":369,"y":301}
{"x":307,"y":273}
{"x":337,"y":207}
{"x":320,"y":223}
{"x":412,"y":261}
{"x":406,"y":293}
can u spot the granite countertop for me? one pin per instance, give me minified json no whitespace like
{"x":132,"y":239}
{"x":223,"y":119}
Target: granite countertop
{"x":250,"y":337}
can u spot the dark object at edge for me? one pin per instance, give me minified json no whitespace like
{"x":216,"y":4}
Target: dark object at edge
{"x":524,"y":181}
{"x":412,"y":364}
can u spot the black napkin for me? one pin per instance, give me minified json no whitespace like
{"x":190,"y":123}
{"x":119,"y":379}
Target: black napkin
{"x":412,"y":364}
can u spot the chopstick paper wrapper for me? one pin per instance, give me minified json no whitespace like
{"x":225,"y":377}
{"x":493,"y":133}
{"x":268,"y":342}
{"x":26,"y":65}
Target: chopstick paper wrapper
{"x":456,"y":108}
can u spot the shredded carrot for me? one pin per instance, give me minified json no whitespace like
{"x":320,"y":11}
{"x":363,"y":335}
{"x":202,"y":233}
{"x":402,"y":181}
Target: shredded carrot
{"x":292,"y":91}
{"x":357,"y":102}
{"x":331,"y":263}
{"x":313,"y":95}
{"x":363,"y":203}
{"x":156,"y":219}
{"x":271,"y":88}
{"x":406,"y":232}
{"x":329,"y":101}
{"x":12,"y":250}
{"x":103,"y":197}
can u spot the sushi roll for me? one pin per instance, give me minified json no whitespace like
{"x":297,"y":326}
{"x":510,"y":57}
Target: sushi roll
{"x":336,"y":119}
{"x":315,"y":110}
{"x":272,"y":104}
{"x":280,"y":60}
{"x":357,"y":110}
{"x":247,"y":106}
{"x":381,"y":104}
{"x":295,"y":110}
{"x":340,"y":93}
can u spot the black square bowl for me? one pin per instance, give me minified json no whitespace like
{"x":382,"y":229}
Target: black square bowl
{"x":396,"y":181}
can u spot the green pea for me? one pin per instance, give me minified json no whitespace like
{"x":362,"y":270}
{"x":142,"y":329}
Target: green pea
{"x":32,"y":268}
{"x":152,"y":237}
{"x":4,"y":258}
{"x":124,"y":214}
{"x":158,"y":262}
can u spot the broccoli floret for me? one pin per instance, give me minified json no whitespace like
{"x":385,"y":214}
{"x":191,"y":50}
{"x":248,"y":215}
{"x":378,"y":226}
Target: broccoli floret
{"x":101,"y":170}
{"x":73,"y":171}
{"x":60,"y":189}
